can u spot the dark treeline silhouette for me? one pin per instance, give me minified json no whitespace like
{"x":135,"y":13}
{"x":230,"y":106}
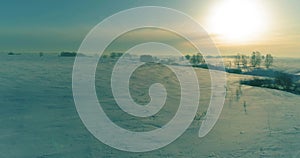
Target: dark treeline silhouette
{"x":195,"y":59}
{"x":68,"y":54}
{"x":12,"y":53}
{"x":281,"y":81}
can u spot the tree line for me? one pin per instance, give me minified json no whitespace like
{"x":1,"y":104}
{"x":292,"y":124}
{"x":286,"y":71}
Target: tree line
{"x":195,"y":59}
{"x":255,"y":60}
{"x":241,"y":61}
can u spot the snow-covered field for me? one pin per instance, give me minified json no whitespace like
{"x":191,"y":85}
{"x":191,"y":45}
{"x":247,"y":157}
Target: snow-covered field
{"x":290,"y":65}
{"x":38,"y":118}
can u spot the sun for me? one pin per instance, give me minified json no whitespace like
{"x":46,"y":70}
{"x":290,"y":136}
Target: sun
{"x":237,"y":20}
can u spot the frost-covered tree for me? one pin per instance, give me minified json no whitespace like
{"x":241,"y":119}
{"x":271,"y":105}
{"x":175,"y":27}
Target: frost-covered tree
{"x":268,"y":60}
{"x":255,"y":59}
{"x":197,"y":59}
{"x":188,"y":57}
{"x":237,"y":61}
{"x":244,"y":61}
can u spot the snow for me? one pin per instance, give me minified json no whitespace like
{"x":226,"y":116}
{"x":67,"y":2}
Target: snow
{"x":38,"y":116}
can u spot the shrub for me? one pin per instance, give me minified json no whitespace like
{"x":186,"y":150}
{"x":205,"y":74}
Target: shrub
{"x":236,"y":71}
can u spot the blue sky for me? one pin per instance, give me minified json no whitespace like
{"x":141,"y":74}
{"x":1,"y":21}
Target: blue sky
{"x":57,"y":25}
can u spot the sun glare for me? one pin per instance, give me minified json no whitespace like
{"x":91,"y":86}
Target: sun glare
{"x":237,"y":20}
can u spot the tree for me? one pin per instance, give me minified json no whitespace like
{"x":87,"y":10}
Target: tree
{"x":252,"y":60}
{"x":113,"y":55}
{"x":188,"y":57}
{"x":244,"y":61}
{"x":256,"y":59}
{"x":119,"y":55}
{"x":237,"y":60}
{"x":268,"y":60}
{"x":196,"y":59}
{"x":200,"y":58}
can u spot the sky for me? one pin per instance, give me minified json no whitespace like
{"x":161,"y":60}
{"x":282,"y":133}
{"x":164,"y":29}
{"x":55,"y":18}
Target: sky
{"x":54,"y":26}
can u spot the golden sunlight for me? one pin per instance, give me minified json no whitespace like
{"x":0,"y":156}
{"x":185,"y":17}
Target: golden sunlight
{"x":237,"y":20}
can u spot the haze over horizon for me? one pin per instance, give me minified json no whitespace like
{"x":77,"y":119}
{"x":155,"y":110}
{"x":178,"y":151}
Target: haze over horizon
{"x":236,"y":26}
